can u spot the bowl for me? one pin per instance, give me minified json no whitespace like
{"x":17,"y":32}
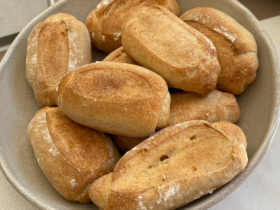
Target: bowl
{"x":259,"y":106}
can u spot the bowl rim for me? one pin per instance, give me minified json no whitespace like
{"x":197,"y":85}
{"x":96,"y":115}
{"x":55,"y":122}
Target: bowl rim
{"x":221,"y":194}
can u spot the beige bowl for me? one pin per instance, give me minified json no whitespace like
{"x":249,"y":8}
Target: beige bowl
{"x":259,"y":106}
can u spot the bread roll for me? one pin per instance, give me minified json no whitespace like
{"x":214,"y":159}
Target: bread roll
{"x":215,"y":107}
{"x":115,"y":98}
{"x":56,"y":46}
{"x":70,"y":155}
{"x":173,"y":167}
{"x":119,"y":56}
{"x":235,"y":45}
{"x":105,"y":21}
{"x":158,"y":40}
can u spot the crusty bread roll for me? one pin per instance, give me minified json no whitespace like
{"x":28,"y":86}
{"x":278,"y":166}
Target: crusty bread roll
{"x":55,"y":47}
{"x":215,"y":107}
{"x":235,"y":45}
{"x":173,"y":167}
{"x":158,"y":40}
{"x":115,"y":98}
{"x":70,"y":155}
{"x":105,"y":21}
{"x":119,"y":56}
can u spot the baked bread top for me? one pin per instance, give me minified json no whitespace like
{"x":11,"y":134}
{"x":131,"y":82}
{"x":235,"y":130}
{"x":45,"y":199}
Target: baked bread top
{"x":174,"y":167}
{"x":56,"y":46}
{"x":105,"y":21}
{"x":235,"y":45}
{"x":70,"y":155}
{"x":158,"y":40}
{"x":115,"y":98}
{"x":217,"y":106}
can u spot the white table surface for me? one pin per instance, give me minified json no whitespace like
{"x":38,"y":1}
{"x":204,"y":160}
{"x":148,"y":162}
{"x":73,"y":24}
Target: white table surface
{"x":259,"y":192}
{"x":11,"y":10}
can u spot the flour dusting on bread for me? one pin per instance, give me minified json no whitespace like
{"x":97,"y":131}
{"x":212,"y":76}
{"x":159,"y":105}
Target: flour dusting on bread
{"x":73,"y":183}
{"x":72,"y":63}
{"x":53,"y":151}
{"x":140,"y":204}
{"x":167,"y":196}
{"x":222,"y":30}
{"x":103,"y":3}
{"x":117,"y":36}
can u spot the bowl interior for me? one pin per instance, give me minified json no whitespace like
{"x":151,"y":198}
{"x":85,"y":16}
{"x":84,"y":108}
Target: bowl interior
{"x":259,"y":106}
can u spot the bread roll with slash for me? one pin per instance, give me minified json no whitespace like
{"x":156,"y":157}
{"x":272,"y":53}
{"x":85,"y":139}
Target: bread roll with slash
{"x":105,"y":21}
{"x":70,"y":155}
{"x":115,"y":98}
{"x":56,"y":46}
{"x":215,"y":107}
{"x":160,"y":41}
{"x":120,"y":56}
{"x":236,"y":47}
{"x":175,"y":166}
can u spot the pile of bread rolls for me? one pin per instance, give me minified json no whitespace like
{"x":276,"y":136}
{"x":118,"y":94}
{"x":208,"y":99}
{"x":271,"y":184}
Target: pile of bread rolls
{"x":177,"y":146}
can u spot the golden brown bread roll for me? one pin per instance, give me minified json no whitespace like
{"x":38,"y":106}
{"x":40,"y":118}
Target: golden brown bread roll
{"x":56,"y":46}
{"x":235,"y":45}
{"x":119,"y":56}
{"x":217,"y":106}
{"x":115,"y":98}
{"x":70,"y":155}
{"x":158,"y":40}
{"x":173,"y":167}
{"x":105,"y":21}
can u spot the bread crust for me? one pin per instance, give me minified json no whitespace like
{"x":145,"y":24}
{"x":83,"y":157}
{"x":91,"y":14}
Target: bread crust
{"x":105,"y":21}
{"x":235,"y":45}
{"x":158,"y":40}
{"x":70,"y":155}
{"x":56,"y":46}
{"x":217,"y":106}
{"x":125,"y":143}
{"x":115,"y":98}
{"x":175,"y":166}
{"x":120,"y":56}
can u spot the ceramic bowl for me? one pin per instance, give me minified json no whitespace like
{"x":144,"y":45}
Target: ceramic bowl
{"x":259,"y":106}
